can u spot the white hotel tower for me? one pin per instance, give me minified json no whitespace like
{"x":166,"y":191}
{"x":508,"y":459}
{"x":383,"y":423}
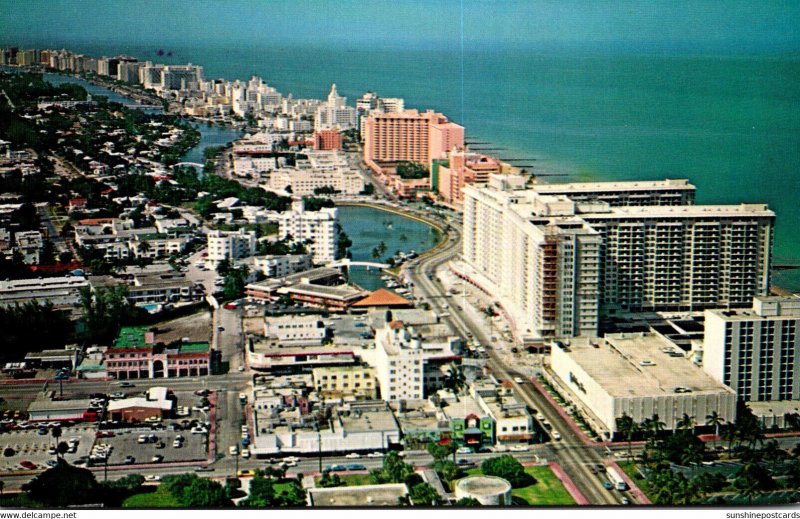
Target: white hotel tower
{"x":554,"y":255}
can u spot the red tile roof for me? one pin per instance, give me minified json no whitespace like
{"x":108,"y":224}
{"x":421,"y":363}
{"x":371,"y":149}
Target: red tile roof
{"x":383,"y":297}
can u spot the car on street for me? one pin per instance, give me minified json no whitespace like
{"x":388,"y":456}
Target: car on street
{"x":464,"y":450}
{"x":247,"y":473}
{"x":233,"y":450}
{"x":356,"y":466}
{"x":129,"y":460}
{"x":375,"y":454}
{"x":335,"y":468}
{"x":463,"y":463}
{"x":518,"y":448}
{"x":607,"y":485}
{"x":353,"y":456}
{"x":556,"y":435}
{"x":158,"y":458}
{"x":204,"y":469}
{"x":626,"y":501}
{"x":519,"y":380}
{"x":125,"y":384}
{"x":152,"y":477}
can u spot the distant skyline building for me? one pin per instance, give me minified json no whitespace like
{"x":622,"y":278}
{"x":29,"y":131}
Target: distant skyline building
{"x":335,"y":114}
{"x":230,"y":245}
{"x":409,"y":136}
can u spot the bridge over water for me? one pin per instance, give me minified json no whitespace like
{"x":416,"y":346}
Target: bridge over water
{"x":347,"y":263}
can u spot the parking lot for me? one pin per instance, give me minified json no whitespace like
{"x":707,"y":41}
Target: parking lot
{"x":126,"y":448}
{"x":29,"y":445}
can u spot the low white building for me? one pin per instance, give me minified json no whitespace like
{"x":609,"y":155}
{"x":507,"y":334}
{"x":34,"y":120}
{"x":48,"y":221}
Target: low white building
{"x":639,"y":375}
{"x":353,"y":427}
{"x":400,"y":357}
{"x":230,"y":245}
{"x":60,"y":291}
{"x":320,"y":227}
{"x":289,"y":329}
{"x":280,"y":266}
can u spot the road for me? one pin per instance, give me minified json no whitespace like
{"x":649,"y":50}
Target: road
{"x":576,"y":458}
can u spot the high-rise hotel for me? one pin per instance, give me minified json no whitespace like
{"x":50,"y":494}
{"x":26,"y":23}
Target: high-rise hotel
{"x":555,"y":255}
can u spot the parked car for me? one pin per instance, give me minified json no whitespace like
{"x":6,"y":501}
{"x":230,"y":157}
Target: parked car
{"x":158,"y":458}
{"x":27,"y":464}
{"x":152,"y":477}
{"x":129,"y":460}
{"x":353,"y":455}
{"x":464,"y":450}
{"x":233,"y":450}
{"x":356,"y":466}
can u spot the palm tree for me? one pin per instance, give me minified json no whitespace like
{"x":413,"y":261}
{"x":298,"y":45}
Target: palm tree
{"x":774,"y":453}
{"x":627,"y":427}
{"x":455,"y":379}
{"x":716,"y":420}
{"x":56,"y":432}
{"x":692,"y":454}
{"x":686,"y":423}
{"x":730,"y":436}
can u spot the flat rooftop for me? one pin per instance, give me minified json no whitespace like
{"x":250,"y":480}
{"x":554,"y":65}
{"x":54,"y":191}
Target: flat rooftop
{"x":366,"y":495}
{"x":669,"y":184}
{"x":677,"y":211}
{"x":638,"y":364}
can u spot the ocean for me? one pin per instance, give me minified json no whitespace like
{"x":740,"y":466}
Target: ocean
{"x":730,"y":124}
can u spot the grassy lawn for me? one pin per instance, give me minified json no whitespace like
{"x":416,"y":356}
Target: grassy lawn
{"x":547,"y":490}
{"x":158,"y":499}
{"x":630,"y":469}
{"x":350,"y":480}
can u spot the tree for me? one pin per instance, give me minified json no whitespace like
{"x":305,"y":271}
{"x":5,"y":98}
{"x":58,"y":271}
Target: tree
{"x":422,"y":494}
{"x":455,"y":379}
{"x":394,"y":470}
{"x":772,"y":452}
{"x":194,"y":492}
{"x":627,"y":428}
{"x":223,"y":267}
{"x":329,"y":480}
{"x":56,"y":433}
{"x":467,"y":502}
{"x":686,"y":423}
{"x":730,"y":434}
{"x":438,"y":452}
{"x":262,"y":492}
{"x":714,"y":420}
{"x":64,"y":485}
{"x":709,"y":482}
{"x":411,"y":170}
{"x":508,"y":468}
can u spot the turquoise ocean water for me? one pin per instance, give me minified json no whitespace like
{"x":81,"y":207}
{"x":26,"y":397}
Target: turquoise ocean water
{"x":731,"y":124}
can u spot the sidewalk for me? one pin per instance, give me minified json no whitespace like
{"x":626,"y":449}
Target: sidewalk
{"x":568,"y":484}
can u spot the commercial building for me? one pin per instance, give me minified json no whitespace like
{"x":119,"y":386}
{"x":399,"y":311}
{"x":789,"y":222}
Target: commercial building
{"x":59,"y":291}
{"x":409,"y":136}
{"x":302,"y":182}
{"x":345,"y":382}
{"x":317,"y":226}
{"x":288,"y":329}
{"x":385,"y":495}
{"x":320,"y":287}
{"x":401,"y":356}
{"x":553,"y":261}
{"x":45,"y":408}
{"x":273,"y":266}
{"x":448,"y":177}
{"x":327,"y":140}
{"x":157,"y":403}
{"x":354,"y":426}
{"x":638,"y":375}
{"x":136,"y":354}
{"x":29,"y":245}
{"x":756,"y":351}
{"x":230,"y":245}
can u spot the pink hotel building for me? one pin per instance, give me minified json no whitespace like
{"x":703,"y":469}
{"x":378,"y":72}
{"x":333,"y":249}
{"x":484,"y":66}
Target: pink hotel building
{"x":408,"y":136}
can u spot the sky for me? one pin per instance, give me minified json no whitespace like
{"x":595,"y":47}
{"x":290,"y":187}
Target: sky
{"x":718,"y":25}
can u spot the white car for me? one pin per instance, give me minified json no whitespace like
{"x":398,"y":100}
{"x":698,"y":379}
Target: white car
{"x":199,"y":430}
{"x":519,"y":448}
{"x":375,"y":455}
{"x":556,"y":435}
{"x":464,"y":450}
{"x":233,"y":450}
{"x":245,"y":453}
{"x":519,"y":380}
{"x":290,"y":463}
{"x":353,"y":456}
{"x":177,"y":444}
{"x":152,"y":477}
